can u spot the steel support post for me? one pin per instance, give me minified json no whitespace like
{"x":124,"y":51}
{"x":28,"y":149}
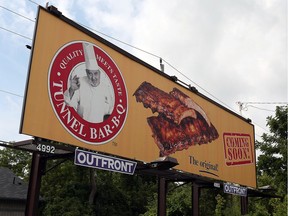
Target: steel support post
{"x":162,"y":196}
{"x":195,"y":199}
{"x":37,"y":168}
{"x":244,"y":205}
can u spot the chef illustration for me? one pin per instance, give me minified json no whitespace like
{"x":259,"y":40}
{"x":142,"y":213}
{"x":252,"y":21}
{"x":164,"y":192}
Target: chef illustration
{"x":90,"y":95}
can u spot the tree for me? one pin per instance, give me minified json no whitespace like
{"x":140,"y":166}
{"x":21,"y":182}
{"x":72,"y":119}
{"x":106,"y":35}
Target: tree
{"x":70,"y":190}
{"x":272,"y":164}
{"x":273,"y":160}
{"x":179,"y":201}
{"x":66,"y":190}
{"x":120,"y":194}
{"x":16,"y":160}
{"x":220,"y":205}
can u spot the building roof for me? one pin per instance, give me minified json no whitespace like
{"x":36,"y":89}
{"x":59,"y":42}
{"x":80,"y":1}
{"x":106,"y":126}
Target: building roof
{"x":11,"y":186}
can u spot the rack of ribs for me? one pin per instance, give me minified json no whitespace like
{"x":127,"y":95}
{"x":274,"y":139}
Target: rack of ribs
{"x":162,"y":102}
{"x":171,"y":137}
{"x":181,"y":122}
{"x":186,"y":100}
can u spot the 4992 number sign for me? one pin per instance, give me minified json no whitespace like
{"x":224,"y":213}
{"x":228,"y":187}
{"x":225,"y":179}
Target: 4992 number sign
{"x":46,"y":148}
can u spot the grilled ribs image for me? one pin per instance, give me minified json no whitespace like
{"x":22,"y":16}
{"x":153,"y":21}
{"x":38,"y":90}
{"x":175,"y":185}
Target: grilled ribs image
{"x":161,"y":102}
{"x":181,"y":122}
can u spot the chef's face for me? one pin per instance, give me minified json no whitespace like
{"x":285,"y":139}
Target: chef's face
{"x":93,"y":77}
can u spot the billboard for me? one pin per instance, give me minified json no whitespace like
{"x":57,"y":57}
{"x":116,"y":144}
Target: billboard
{"x":84,"y":91}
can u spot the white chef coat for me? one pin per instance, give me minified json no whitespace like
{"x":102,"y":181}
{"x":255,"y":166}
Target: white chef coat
{"x":91,"y":103}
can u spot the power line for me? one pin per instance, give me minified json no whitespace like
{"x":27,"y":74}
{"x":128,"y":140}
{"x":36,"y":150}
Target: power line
{"x":261,"y":127}
{"x":197,"y":85}
{"x":264,"y":102}
{"x":152,"y":54}
{"x":113,"y":38}
{"x":15,"y":33}
{"x":244,"y":105}
{"x":157,"y":56}
{"x":7,"y":92}
{"x":149,"y":53}
{"x":34,"y":2}
{"x":17,"y":13}
{"x":261,"y":108}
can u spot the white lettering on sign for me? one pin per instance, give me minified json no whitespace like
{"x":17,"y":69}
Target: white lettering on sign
{"x":233,"y":189}
{"x":95,"y":160}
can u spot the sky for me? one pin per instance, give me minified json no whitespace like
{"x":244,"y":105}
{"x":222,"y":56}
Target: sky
{"x":231,"y":51}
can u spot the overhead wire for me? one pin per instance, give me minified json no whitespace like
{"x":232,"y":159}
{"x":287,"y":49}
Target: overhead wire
{"x":197,"y":85}
{"x":260,"y":108}
{"x":20,"y":15}
{"x":17,"y":13}
{"x":154,"y":55}
{"x":266,"y":103}
{"x":264,"y":129}
{"x":16,"y":33}
{"x":11,"y":93}
{"x":34,"y":2}
{"x":157,"y":56}
{"x":127,"y":44}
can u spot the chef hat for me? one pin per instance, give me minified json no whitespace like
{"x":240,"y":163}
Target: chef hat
{"x":90,"y":58}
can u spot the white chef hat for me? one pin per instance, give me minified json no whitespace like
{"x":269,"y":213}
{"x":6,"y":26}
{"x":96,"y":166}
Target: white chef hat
{"x":90,"y":58}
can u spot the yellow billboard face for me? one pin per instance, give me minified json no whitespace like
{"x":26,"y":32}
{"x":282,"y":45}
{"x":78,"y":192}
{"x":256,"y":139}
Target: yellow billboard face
{"x":86,"y":92}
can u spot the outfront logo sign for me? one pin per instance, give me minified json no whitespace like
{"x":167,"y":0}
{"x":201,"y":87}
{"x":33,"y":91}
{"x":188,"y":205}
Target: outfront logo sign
{"x":87,"y":92}
{"x":237,"y":148}
{"x":234,"y":189}
{"x":104,"y":162}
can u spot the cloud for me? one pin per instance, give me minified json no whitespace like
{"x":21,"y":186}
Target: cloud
{"x":231,"y":48}
{"x":236,"y":50}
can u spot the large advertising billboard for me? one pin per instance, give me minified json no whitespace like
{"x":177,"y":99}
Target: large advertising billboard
{"x":84,"y":91}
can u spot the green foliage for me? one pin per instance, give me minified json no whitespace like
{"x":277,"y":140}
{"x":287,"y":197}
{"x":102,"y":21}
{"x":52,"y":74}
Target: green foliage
{"x":66,"y":189}
{"x":273,"y":160}
{"x":220,"y":205}
{"x":272,"y":165}
{"x":232,"y":205}
{"x":280,"y":207}
{"x":179,"y":203}
{"x":119,"y":194}
{"x":179,"y":200}
{"x":259,"y":210}
{"x":151,"y":206}
{"x":16,"y":160}
{"x":207,"y":201}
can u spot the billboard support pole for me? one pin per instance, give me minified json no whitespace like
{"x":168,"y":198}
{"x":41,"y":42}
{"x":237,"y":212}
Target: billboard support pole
{"x":161,"y":196}
{"x":244,"y":205}
{"x":195,"y":199}
{"x":36,"y":171}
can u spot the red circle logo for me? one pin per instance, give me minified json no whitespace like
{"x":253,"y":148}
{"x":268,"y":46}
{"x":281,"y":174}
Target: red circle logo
{"x":87,"y":92}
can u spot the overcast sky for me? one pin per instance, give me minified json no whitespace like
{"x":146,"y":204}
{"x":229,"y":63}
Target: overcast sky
{"x":231,"y":50}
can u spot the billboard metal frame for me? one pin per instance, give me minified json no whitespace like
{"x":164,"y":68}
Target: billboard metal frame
{"x":38,"y":168}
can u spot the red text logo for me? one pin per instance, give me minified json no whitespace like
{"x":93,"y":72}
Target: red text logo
{"x":238,"y":149}
{"x":87,"y":92}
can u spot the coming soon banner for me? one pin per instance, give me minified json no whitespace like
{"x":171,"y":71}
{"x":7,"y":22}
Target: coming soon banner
{"x":86,"y":92}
